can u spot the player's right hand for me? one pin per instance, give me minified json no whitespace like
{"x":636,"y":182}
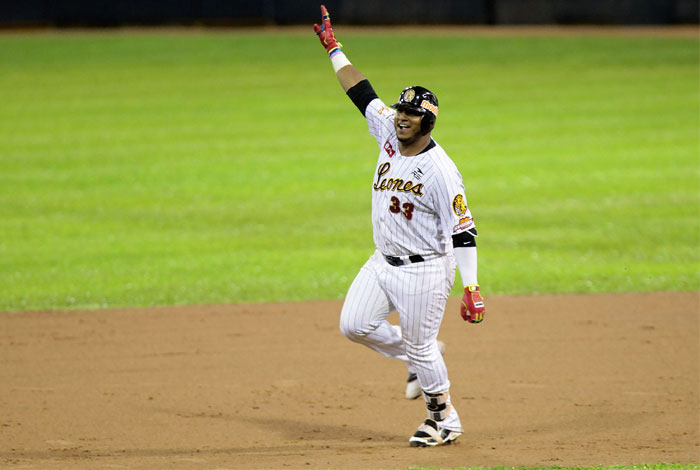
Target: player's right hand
{"x":472,"y":304}
{"x":325,"y":32}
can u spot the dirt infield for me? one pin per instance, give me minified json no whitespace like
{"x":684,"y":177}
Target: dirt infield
{"x":547,"y":380}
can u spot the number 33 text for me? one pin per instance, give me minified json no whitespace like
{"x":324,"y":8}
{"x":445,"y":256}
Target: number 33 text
{"x":396,"y":207}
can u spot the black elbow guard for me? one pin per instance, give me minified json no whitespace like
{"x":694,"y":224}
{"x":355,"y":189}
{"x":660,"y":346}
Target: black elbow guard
{"x":464,"y":239}
{"x":362,"y":94}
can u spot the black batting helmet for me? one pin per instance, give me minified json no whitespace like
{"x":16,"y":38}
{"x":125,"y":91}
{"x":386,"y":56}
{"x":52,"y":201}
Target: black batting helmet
{"x":419,"y":100}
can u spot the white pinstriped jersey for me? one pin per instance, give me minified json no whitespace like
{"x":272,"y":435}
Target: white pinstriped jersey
{"x":418,"y":201}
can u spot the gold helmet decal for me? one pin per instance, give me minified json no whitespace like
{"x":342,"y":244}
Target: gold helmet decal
{"x":410,"y":94}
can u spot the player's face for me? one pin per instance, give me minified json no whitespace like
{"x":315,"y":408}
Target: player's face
{"x":407,"y":125}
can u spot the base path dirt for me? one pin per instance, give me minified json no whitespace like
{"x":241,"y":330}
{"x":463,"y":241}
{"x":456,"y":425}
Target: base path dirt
{"x":545,"y":380}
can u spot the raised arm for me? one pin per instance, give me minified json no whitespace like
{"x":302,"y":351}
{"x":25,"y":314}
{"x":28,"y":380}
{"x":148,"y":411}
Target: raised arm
{"x":347,"y":74}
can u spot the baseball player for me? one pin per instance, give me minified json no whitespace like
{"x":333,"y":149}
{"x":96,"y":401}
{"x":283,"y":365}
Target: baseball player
{"x":422,"y":231}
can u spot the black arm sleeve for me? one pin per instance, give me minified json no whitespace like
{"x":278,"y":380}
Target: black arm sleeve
{"x":467,"y":238}
{"x":361,"y":94}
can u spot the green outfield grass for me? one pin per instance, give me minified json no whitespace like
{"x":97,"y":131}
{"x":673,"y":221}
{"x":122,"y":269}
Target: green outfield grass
{"x":164,"y":168}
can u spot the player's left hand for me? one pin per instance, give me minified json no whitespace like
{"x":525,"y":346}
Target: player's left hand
{"x":472,"y":304}
{"x":325,"y":31}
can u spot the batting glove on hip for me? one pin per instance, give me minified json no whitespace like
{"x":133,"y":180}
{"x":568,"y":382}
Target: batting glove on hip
{"x":472,"y":304}
{"x":325,"y":32}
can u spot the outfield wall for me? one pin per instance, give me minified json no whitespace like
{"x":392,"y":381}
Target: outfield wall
{"x":363,"y":12}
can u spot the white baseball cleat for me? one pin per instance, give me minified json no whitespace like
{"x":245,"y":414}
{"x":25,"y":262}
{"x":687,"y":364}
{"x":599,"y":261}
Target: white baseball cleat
{"x":429,"y":434}
{"x":413,"y":390}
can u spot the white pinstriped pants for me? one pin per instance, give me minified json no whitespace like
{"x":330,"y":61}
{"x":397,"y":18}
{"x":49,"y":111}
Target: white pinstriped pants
{"x":418,"y":292}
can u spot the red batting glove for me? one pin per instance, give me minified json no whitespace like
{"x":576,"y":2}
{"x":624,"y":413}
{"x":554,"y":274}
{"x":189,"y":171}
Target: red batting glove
{"x":472,"y":304}
{"x":325,"y":32}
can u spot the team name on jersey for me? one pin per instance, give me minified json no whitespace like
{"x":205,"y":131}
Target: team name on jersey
{"x":395,"y":184}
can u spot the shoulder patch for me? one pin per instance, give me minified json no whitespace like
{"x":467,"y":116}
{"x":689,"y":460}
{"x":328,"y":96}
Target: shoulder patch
{"x":459,"y":206}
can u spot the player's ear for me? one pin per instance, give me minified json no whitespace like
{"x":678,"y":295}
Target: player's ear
{"x":427,"y":124}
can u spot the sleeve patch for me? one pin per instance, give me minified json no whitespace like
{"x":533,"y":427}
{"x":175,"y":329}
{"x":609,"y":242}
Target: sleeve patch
{"x":464,"y":224}
{"x":459,"y":206}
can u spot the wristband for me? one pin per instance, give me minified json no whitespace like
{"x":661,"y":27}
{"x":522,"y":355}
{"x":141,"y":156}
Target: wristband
{"x":338,"y":59}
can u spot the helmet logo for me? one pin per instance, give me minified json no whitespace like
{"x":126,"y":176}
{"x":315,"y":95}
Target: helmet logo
{"x":410,"y":94}
{"x":430,"y":107}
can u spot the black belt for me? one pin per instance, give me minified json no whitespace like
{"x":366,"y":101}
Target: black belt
{"x":396,"y":261}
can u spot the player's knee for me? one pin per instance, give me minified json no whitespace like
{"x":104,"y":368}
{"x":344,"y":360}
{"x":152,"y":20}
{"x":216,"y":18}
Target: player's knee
{"x":352,"y":331}
{"x":351,"y":325}
{"x":421,"y":352}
